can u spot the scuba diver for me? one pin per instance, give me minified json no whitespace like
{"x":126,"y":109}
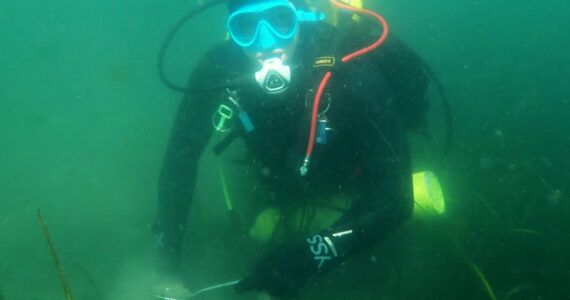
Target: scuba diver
{"x":322,"y":99}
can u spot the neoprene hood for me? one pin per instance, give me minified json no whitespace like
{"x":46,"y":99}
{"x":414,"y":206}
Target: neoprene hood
{"x":234,"y":5}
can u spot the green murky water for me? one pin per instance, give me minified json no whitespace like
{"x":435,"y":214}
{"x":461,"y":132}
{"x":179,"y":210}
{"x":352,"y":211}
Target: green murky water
{"x":84,"y":123}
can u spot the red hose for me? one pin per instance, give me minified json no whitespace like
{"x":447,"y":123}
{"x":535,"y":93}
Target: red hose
{"x":373,"y":14}
{"x":327,"y":76}
{"x":316,"y":112}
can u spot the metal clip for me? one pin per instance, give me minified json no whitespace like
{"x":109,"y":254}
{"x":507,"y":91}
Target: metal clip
{"x":242,"y":114}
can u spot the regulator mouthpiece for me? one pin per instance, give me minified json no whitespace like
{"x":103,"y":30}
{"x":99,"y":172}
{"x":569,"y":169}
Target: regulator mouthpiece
{"x":274,"y":77}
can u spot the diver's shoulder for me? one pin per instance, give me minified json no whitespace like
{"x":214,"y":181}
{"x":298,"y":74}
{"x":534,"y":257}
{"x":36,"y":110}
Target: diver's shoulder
{"x":225,"y":52}
{"x":219,"y":61}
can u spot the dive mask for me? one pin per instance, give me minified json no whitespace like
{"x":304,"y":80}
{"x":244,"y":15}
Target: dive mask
{"x":267,"y":24}
{"x":264,"y":24}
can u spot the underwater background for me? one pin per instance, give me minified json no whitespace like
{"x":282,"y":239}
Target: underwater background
{"x":84,"y":123}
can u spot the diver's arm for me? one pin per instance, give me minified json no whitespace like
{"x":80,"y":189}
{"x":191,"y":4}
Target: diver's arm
{"x":385,"y":185}
{"x":386,"y":201}
{"x":386,"y":197}
{"x":190,"y":135}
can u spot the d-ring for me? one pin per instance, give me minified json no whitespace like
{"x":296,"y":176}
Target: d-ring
{"x":311,"y":94}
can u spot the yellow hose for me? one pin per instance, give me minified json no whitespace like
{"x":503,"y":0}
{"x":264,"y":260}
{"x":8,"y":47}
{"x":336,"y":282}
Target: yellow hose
{"x":224,"y":184}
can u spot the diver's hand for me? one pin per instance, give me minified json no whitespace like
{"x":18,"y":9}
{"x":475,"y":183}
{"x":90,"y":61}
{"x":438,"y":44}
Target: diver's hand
{"x":282,"y":272}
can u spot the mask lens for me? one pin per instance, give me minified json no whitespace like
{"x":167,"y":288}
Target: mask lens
{"x":282,"y":19}
{"x":243,"y":27}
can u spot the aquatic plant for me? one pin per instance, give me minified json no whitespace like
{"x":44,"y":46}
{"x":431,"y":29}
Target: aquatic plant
{"x":55,"y":258}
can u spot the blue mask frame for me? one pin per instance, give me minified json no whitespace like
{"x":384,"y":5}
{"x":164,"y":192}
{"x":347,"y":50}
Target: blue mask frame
{"x":265,"y":24}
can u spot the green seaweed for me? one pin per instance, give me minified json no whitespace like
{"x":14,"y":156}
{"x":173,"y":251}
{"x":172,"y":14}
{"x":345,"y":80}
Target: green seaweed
{"x":526,"y":231}
{"x":87,"y":275}
{"x":517,"y":290}
{"x":483,"y":280}
{"x":55,"y":258}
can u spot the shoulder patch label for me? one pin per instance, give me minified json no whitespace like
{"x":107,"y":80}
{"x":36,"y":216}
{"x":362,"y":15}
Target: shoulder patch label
{"x":324,"y":61}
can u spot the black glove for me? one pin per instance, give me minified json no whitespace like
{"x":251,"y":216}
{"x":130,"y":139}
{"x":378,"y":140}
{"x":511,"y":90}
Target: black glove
{"x":282,"y":272}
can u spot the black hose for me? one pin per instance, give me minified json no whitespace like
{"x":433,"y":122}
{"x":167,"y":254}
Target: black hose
{"x":446,"y":107}
{"x":169,"y":38}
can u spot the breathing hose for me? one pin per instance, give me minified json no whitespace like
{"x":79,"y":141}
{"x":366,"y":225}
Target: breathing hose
{"x":167,"y":42}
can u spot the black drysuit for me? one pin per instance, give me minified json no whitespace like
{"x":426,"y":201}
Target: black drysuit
{"x":366,"y":148}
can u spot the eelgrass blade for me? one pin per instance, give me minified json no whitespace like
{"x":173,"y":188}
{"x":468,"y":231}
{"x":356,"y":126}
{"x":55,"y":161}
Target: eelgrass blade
{"x":55,"y":258}
{"x":483,"y":280}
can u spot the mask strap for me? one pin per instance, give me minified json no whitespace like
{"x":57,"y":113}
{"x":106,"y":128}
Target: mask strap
{"x":309,"y":16}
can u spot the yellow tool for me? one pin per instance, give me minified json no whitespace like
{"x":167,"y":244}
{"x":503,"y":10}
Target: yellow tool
{"x":428,"y":196}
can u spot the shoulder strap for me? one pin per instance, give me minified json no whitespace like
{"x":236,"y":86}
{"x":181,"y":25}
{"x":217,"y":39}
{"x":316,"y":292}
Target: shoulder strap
{"x":327,"y":57}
